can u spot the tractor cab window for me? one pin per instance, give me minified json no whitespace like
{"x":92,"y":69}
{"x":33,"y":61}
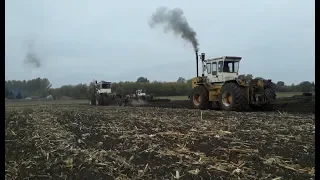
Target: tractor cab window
{"x":220,"y":66}
{"x":105,"y":86}
{"x":231,"y":66}
{"x":236,"y":66}
{"x":208,"y":67}
{"x":214,"y":68}
{"x":226,"y":67}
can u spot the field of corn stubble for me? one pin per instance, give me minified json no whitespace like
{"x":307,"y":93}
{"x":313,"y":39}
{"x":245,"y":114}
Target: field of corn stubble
{"x":70,"y":141}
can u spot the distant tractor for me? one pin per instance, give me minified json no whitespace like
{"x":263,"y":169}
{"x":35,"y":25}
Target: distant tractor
{"x":102,"y":94}
{"x":140,"y":92}
{"x":140,"y":96}
{"x":219,"y":86}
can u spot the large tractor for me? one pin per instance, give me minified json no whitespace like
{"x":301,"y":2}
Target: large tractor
{"x":219,"y":86}
{"x":102,"y":94}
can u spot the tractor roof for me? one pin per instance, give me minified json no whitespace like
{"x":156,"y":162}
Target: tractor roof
{"x":226,"y":57}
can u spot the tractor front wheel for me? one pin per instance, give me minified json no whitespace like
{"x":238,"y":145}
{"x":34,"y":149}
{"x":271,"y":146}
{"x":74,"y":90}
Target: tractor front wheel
{"x":200,"y":98}
{"x":233,"y":97}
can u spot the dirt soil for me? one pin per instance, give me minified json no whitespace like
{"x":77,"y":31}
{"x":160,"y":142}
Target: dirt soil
{"x":87,"y":142}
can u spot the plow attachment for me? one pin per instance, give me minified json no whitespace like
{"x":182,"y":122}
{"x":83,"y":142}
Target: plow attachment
{"x":295,"y":104}
{"x":158,"y":100}
{"x":294,"y":100}
{"x":142,"y":102}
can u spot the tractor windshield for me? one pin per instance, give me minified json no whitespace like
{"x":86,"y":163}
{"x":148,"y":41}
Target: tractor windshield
{"x":231,"y":66}
{"x":106,"y":86}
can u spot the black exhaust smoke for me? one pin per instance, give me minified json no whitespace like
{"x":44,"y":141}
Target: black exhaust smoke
{"x":31,"y":57}
{"x":174,"y":20}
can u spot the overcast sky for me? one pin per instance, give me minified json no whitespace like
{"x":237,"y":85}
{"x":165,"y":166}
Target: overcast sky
{"x":79,"y":41}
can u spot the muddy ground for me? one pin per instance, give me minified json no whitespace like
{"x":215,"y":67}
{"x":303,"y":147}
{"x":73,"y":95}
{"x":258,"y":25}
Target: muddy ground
{"x":84,"y":142}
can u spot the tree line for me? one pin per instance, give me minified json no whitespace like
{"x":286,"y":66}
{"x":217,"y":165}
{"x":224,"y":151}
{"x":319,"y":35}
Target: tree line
{"x":41,"y":87}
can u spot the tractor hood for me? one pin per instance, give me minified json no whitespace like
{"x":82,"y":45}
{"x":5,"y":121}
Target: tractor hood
{"x":230,"y":76}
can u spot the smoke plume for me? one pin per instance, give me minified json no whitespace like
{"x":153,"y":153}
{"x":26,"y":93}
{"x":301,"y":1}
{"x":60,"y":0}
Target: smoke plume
{"x":31,"y":57}
{"x":174,"y":20}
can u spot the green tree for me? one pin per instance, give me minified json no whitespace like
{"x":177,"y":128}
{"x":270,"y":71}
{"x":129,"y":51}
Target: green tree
{"x":280,"y":84}
{"x":181,"y":80}
{"x":142,"y":80}
{"x":305,"y":86}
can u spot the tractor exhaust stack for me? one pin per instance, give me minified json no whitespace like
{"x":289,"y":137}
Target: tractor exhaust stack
{"x":197,"y":59}
{"x":203,"y":56}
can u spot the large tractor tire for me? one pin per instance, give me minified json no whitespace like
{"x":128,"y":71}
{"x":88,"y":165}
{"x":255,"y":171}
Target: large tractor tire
{"x":93,"y":101}
{"x":233,"y":97}
{"x":270,"y":95}
{"x":106,"y":100}
{"x":100,"y":100}
{"x":200,"y":98}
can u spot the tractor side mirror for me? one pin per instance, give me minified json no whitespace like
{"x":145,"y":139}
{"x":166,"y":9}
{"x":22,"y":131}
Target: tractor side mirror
{"x":96,"y":82}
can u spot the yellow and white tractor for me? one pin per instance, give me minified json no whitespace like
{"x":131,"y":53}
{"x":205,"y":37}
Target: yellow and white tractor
{"x":219,"y":86}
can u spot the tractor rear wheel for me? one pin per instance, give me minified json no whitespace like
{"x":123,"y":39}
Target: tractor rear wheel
{"x":233,"y":97}
{"x":200,"y":98}
{"x":270,"y":95}
{"x":107,"y":100}
{"x":100,"y":100}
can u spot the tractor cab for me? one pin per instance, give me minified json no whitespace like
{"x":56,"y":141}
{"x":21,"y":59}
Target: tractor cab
{"x":103,"y":87}
{"x":221,"y":69}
